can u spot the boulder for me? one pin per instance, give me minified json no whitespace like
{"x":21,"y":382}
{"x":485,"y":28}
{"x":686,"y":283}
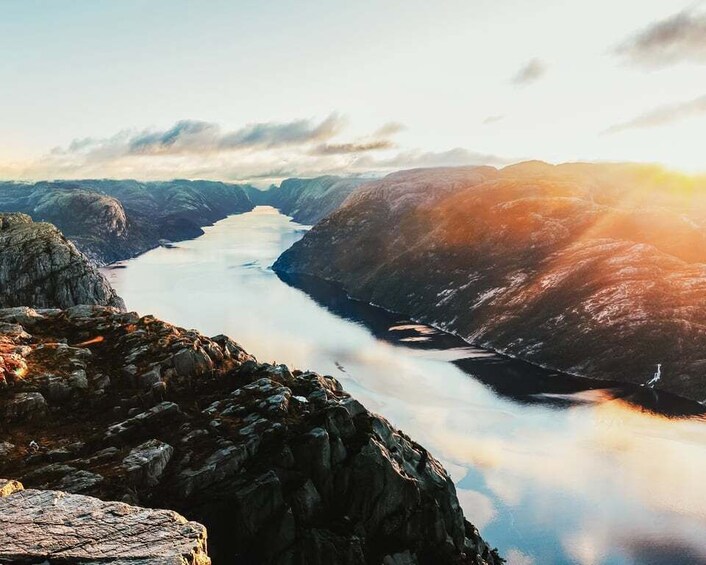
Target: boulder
{"x":26,"y":406}
{"x":146,"y":462}
{"x":40,"y":526}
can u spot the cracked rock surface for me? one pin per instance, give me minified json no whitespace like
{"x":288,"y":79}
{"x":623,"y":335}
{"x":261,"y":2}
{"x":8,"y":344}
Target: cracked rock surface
{"x":66,"y":528}
{"x":281,"y":466}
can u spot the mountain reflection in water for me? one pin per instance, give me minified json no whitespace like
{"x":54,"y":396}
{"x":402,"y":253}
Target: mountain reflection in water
{"x":551,"y":468}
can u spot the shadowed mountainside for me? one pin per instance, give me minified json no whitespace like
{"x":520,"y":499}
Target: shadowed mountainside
{"x":111,"y":220}
{"x":598,"y":270}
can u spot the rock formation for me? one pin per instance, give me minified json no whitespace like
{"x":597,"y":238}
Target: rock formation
{"x":39,"y":267}
{"x":56,"y":527}
{"x":597,"y":270}
{"x":281,"y":466}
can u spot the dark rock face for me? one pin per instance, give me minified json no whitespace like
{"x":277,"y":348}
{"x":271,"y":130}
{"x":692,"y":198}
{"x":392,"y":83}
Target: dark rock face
{"x":56,"y":527}
{"x":112,"y":220}
{"x":39,"y":267}
{"x":598,"y":270}
{"x":281,"y":466}
{"x":308,"y":200}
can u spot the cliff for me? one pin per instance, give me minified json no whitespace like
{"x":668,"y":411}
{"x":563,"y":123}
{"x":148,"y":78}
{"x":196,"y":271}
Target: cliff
{"x":56,"y":527}
{"x":110,"y":220}
{"x":281,"y":466}
{"x":38,"y":266}
{"x":597,"y":270}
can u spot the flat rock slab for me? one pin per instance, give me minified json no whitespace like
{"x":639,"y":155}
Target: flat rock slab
{"x":69,"y":528}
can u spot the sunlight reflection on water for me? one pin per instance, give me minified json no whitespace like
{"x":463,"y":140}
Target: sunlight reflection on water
{"x":581,"y":476}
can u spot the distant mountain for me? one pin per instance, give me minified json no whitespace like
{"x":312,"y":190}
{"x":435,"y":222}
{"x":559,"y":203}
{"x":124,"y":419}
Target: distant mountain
{"x":39,"y":267}
{"x":598,"y":270}
{"x":112,"y":220}
{"x":307,"y":200}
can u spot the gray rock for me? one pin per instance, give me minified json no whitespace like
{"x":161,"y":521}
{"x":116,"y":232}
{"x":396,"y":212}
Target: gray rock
{"x":25,"y":406}
{"x":47,"y":525}
{"x":146,"y":462}
{"x":5,"y":449}
{"x":192,"y":362}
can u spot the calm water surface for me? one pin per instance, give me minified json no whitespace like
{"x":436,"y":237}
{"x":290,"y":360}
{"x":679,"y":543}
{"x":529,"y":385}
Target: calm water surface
{"x":551,"y":469}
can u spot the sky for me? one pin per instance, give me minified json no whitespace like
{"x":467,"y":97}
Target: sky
{"x":258,"y":91}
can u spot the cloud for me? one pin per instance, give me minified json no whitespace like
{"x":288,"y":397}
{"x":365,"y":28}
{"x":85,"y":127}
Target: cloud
{"x":493,"y":119}
{"x":663,"y":115}
{"x":414,"y":158}
{"x":194,"y":136}
{"x":679,"y":38}
{"x":343,"y":148}
{"x":530,"y":72}
{"x":259,"y":153}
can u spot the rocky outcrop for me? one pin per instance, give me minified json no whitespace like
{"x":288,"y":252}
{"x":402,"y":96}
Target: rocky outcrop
{"x":308,"y":200}
{"x":111,"y":220}
{"x":597,"y":270}
{"x":56,"y":527}
{"x":40,"y":267}
{"x":281,"y":466}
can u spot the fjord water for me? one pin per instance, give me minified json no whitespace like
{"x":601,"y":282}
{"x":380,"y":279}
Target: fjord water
{"x":551,"y":469}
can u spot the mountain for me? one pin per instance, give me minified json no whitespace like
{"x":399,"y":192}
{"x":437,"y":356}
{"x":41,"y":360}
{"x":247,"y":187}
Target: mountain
{"x":110,"y":220}
{"x":307,"y":200}
{"x":281,"y":466}
{"x":40,"y":267}
{"x":597,"y":270}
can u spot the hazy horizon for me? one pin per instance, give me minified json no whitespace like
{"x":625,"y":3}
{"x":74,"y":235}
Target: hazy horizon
{"x":251,"y":92}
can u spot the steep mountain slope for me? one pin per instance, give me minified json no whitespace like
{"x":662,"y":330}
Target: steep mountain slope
{"x":599,"y":270}
{"x":112,"y":220}
{"x":308,"y":200}
{"x":281,"y":466}
{"x":39,"y":267}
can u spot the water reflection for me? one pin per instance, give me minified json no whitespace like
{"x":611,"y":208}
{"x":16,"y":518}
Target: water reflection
{"x":554,"y":469}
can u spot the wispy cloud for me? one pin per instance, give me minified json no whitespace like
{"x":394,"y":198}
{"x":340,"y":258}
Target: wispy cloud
{"x":493,"y":119}
{"x":260,"y":152}
{"x":663,"y":115}
{"x":530,"y":72}
{"x":194,"y":137}
{"x":678,"y":38}
{"x":415,"y":158}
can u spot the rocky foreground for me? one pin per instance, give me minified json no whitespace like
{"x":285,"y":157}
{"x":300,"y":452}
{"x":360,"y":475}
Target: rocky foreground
{"x":281,"y":466}
{"x":56,"y":527}
{"x":39,"y":266}
{"x":597,"y":270}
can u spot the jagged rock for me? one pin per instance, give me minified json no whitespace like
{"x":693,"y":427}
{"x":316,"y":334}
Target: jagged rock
{"x":26,"y":406}
{"x":147,"y":462}
{"x":161,"y":414}
{"x":58,"y":527}
{"x":231,"y":443}
{"x":39,"y":267}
